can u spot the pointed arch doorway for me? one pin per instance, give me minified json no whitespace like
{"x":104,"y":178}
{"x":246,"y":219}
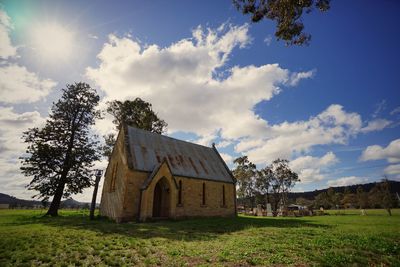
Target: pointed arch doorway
{"x":161,"y":199}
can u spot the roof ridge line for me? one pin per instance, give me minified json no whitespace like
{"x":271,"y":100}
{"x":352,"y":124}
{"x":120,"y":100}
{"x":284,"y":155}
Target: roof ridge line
{"x":166,"y":136}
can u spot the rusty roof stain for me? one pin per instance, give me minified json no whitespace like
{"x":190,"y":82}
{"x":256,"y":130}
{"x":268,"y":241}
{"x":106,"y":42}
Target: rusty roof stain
{"x":184,"y":158}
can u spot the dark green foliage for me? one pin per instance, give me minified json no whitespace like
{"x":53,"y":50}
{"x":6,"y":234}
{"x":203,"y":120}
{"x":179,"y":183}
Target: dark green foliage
{"x":383,"y":196}
{"x":304,"y":202}
{"x":107,"y":148}
{"x":282,"y":180}
{"x":322,"y":200}
{"x":271,"y":184}
{"x":61,"y":154}
{"x":137,"y":113}
{"x":286,"y":13}
{"x":244,"y":173}
{"x":362,"y":198}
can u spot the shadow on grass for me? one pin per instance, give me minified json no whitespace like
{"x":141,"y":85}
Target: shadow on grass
{"x":189,"y":229}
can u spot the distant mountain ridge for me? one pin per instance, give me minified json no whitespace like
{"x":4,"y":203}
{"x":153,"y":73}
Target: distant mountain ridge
{"x":394,"y":187}
{"x":16,"y":202}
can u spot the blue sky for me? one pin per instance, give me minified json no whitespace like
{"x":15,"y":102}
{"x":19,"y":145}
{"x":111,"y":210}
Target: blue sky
{"x":332,"y":108}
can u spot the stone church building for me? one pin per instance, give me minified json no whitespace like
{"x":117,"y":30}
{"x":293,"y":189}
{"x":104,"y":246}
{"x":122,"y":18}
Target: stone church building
{"x":152,"y":176}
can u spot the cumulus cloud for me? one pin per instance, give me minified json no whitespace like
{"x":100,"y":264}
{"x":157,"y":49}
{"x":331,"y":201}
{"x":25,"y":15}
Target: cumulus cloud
{"x":379,"y":107}
{"x":189,"y":84}
{"x":391,"y":153}
{"x":13,"y":124}
{"x":268,"y":40}
{"x":7,"y":50}
{"x":376,"y":125}
{"x":223,"y":143}
{"x":192,"y":88}
{"x":18,"y":85}
{"x":309,"y":161}
{"x":392,"y":169}
{"x":227,"y":158}
{"x":332,"y":126}
{"x":310,"y":168}
{"x":349,"y":180}
{"x":12,"y":147}
{"x":395,"y":111}
{"x":297,"y":77}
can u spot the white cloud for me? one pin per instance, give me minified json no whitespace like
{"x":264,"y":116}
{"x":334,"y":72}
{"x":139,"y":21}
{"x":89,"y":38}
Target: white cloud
{"x":376,"y":152}
{"x":349,"y":180}
{"x":268,"y":40}
{"x":227,"y":158}
{"x":92,"y":36}
{"x":395,"y":111}
{"x":380,"y":106}
{"x":297,"y":77}
{"x":376,"y":125}
{"x":223,"y":143}
{"x":18,"y":85}
{"x":392,"y":169}
{"x":309,"y":161}
{"x":310,"y":168}
{"x":332,"y":126}
{"x":13,"y":124}
{"x":7,"y":50}
{"x":191,"y":87}
{"x":183,"y":81}
{"x":310,"y":175}
{"x":12,"y":147}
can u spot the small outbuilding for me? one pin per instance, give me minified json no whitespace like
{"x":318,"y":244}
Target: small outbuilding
{"x":151,"y":176}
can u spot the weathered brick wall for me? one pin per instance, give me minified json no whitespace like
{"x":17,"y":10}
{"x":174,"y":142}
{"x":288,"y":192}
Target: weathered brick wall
{"x":192,"y":197}
{"x":134,"y":181}
{"x":112,"y":202}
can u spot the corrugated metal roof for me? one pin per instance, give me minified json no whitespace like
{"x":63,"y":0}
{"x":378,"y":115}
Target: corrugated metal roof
{"x":148,"y":150}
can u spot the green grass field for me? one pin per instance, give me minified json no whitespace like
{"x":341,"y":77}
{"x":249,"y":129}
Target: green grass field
{"x":28,"y":239}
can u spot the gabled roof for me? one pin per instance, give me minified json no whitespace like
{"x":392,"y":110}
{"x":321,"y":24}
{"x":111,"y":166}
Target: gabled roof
{"x":147,"y":150}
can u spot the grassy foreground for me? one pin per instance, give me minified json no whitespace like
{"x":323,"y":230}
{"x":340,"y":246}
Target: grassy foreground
{"x":27,"y":239}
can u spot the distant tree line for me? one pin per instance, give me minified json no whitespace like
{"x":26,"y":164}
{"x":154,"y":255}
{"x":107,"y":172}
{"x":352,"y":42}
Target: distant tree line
{"x":273,"y":184}
{"x":268,"y":185}
{"x":379,"y":196}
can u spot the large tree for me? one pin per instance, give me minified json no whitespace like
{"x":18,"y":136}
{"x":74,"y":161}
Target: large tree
{"x":286,"y":13}
{"x":282,"y":180}
{"x":362,"y":198}
{"x":138,"y":113}
{"x":60,"y":155}
{"x":244,"y":173}
{"x":263,"y":180}
{"x":385,"y":196}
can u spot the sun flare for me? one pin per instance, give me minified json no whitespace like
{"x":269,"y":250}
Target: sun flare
{"x":52,"y":42}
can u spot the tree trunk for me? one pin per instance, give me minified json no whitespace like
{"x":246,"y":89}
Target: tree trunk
{"x":93,"y":206}
{"x":55,"y":204}
{"x":389,"y":211}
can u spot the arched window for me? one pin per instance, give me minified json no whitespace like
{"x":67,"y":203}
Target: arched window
{"x":204,"y":194}
{"x":223,"y":195}
{"x":180,"y":193}
{"x":113,"y":177}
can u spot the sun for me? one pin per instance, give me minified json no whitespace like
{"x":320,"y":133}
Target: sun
{"x":52,"y":42}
